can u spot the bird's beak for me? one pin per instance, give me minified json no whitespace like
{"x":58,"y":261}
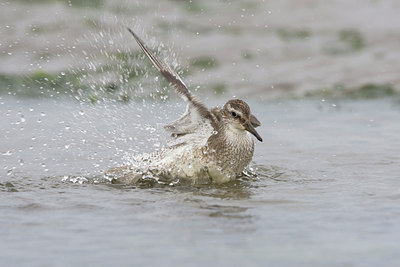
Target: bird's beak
{"x":250,"y":128}
{"x":254,"y":121}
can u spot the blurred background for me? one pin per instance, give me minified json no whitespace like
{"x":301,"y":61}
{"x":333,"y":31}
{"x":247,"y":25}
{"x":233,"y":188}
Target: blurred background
{"x":268,"y":49}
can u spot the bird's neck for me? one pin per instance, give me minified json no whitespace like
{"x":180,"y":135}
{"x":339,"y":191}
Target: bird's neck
{"x":227,"y":137}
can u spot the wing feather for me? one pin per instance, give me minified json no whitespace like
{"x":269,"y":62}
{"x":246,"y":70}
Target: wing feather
{"x":194,"y":104}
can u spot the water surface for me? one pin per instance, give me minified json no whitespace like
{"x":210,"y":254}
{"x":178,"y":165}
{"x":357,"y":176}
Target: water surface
{"x":323,"y":188}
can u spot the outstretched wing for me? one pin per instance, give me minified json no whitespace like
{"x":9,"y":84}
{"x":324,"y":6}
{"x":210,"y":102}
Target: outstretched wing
{"x":196,"y":110}
{"x":187,"y":123}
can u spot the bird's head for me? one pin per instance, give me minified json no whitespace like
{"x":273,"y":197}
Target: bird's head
{"x":237,"y":113}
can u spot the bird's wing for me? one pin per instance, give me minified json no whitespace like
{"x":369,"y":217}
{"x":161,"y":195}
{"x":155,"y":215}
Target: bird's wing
{"x":196,"y":111}
{"x":187,"y":123}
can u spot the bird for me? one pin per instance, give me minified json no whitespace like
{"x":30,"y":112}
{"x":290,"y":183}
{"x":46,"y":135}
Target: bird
{"x":207,"y":145}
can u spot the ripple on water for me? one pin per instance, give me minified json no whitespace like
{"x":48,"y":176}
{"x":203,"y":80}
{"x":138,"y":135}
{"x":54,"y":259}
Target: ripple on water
{"x":8,"y":187}
{"x":32,"y":207}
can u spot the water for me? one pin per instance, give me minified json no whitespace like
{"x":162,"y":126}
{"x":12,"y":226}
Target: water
{"x":323,"y":188}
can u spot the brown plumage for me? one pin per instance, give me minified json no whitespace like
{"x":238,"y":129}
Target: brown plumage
{"x":207,"y":144}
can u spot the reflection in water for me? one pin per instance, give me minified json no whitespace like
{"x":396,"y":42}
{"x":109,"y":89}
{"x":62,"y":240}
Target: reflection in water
{"x":228,"y":202}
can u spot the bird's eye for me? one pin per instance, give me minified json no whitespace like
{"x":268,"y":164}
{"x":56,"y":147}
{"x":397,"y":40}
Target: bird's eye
{"x":233,"y":113}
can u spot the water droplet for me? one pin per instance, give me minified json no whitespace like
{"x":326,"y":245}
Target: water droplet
{"x":8,"y":153}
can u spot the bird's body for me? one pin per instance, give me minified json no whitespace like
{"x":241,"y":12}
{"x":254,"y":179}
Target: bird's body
{"x":207,"y":145}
